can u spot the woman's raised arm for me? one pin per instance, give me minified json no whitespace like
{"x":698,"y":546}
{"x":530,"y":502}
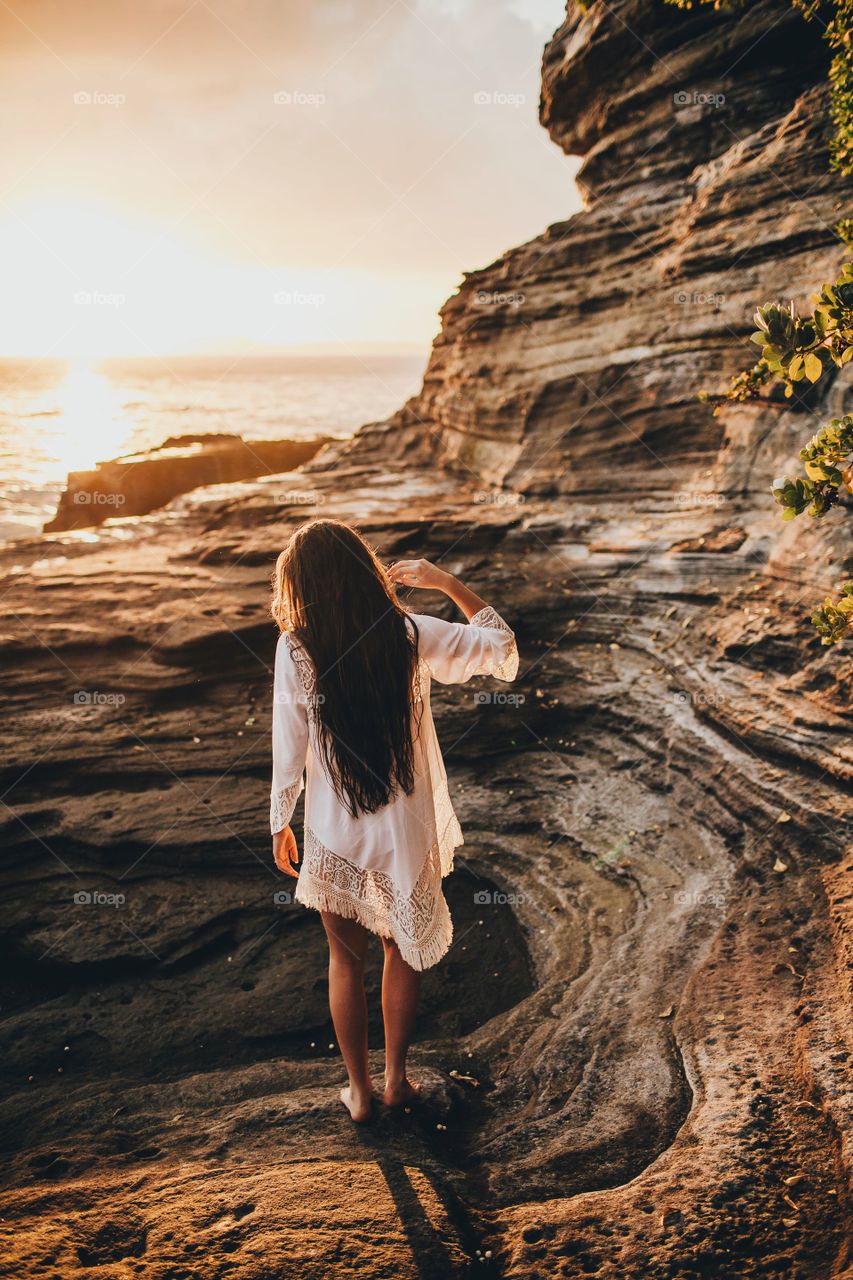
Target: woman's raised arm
{"x":454,"y":651}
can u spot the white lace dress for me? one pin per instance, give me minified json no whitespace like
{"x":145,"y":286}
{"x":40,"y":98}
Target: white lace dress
{"x":383,"y":869}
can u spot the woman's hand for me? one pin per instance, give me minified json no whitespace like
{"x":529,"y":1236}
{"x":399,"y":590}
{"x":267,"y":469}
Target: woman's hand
{"x":285,"y":852}
{"x":419,"y":573}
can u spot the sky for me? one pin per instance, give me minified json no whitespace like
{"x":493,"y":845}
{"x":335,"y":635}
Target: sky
{"x":248,"y":175}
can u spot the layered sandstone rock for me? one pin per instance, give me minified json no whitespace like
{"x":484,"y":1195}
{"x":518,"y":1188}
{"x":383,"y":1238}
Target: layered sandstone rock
{"x":637,"y":1054}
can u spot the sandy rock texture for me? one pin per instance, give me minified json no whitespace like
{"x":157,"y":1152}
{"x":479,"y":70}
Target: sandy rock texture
{"x":637,"y":1053}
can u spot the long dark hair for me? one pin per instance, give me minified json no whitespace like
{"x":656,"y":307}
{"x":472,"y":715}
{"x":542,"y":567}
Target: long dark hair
{"x":331,"y":592}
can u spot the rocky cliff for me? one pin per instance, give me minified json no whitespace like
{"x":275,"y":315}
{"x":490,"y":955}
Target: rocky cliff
{"x":638,"y":1050}
{"x":571,"y":365}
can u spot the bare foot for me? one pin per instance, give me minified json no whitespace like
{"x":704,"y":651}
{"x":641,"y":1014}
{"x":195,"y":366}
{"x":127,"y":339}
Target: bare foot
{"x":357,"y":1104}
{"x":401,"y":1092}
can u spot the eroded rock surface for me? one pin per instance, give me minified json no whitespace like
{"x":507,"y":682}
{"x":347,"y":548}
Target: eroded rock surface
{"x":639,"y":1046}
{"x":143,"y":482}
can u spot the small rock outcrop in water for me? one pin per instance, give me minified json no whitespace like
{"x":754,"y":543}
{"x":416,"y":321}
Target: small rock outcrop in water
{"x":637,"y":1054}
{"x":143,"y":482}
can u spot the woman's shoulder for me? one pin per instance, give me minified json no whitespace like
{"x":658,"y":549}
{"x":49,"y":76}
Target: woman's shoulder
{"x":292,"y":659}
{"x":433,"y":634}
{"x":423,"y":619}
{"x":423,"y":624}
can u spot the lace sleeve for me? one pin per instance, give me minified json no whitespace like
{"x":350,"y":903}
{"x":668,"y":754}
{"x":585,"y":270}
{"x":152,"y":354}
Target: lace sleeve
{"x":282,"y":804}
{"x":289,"y":736}
{"x":507,"y":669}
{"x":456,"y":651}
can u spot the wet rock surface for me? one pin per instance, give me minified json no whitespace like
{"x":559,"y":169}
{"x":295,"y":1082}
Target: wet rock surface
{"x":637,"y":1052}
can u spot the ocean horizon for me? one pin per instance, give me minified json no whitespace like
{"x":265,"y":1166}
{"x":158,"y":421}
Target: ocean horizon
{"x":61,"y":415}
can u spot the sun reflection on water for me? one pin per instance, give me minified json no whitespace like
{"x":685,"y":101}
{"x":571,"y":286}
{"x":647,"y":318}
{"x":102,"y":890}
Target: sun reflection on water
{"x":91,"y":426}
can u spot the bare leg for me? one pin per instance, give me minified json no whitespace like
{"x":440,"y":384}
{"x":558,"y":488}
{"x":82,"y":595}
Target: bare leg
{"x":400,"y":988}
{"x":348,"y":1005}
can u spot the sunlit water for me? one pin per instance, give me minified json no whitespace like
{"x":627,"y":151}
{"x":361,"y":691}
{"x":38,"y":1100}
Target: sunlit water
{"x":57,"y":417}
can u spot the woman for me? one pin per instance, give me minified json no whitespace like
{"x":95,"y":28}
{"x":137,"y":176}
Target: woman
{"x":351,"y":709}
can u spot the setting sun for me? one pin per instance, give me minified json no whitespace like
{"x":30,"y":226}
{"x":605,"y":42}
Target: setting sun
{"x":93,"y":281}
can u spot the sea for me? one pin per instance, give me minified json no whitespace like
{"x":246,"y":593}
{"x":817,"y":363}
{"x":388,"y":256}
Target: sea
{"x":58,"y":416}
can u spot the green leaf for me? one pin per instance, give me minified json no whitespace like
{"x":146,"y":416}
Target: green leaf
{"x":813,"y":367}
